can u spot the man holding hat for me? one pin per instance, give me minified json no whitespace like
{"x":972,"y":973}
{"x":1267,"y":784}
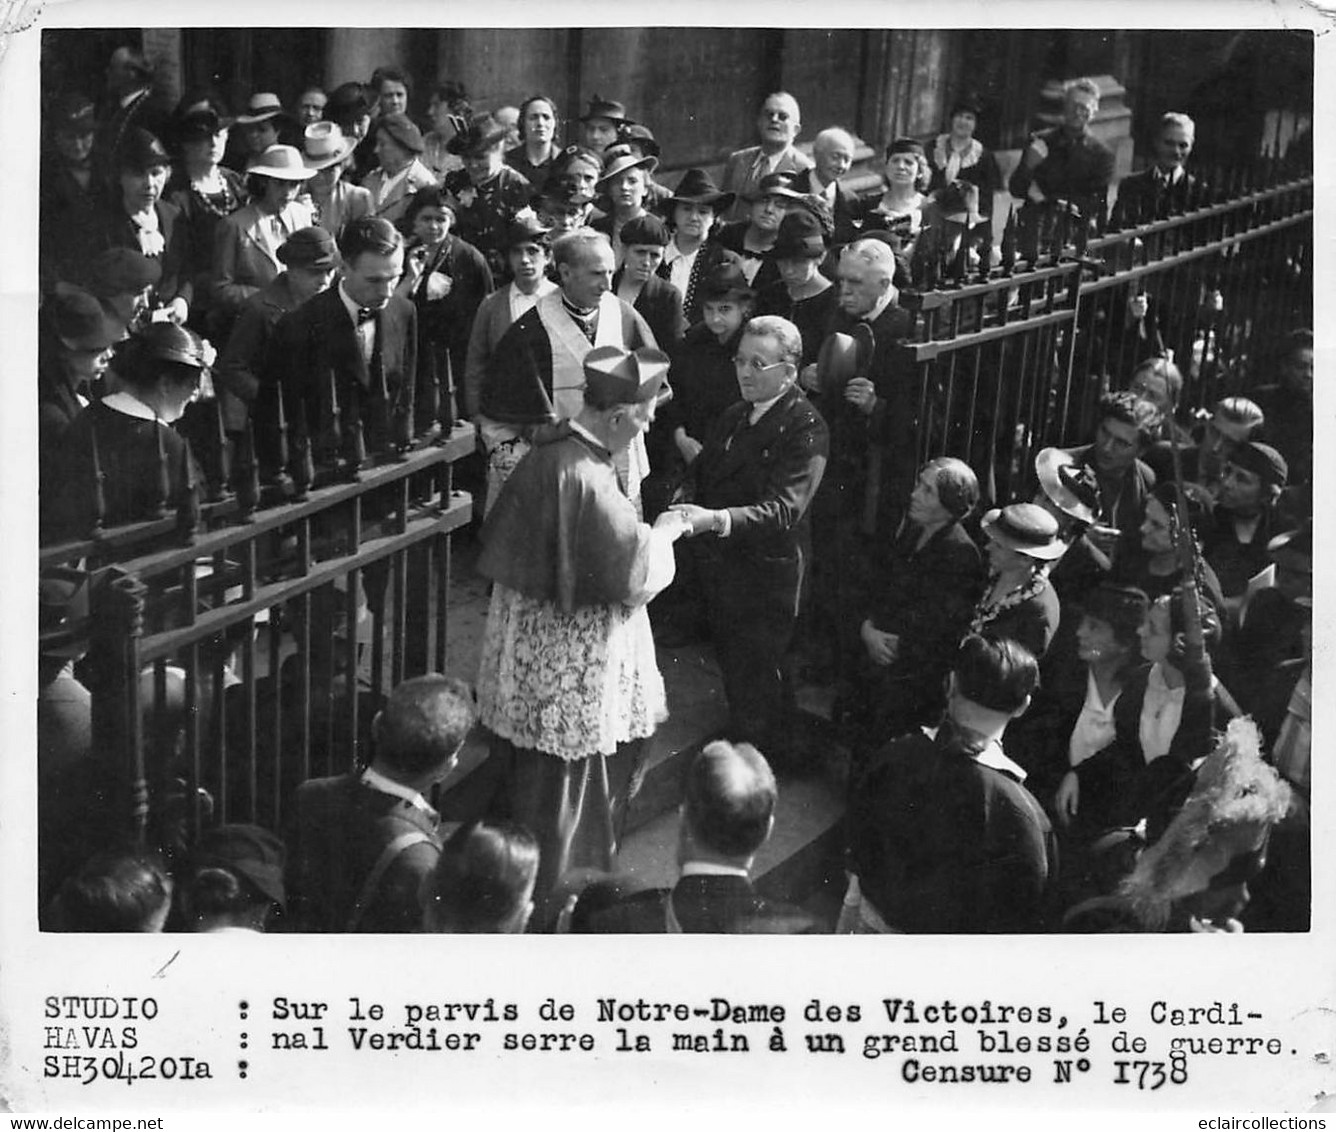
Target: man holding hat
{"x":527,"y":248}
{"x":574,"y":568}
{"x":309,"y":259}
{"x":691,"y":211}
{"x":658,"y":302}
{"x":777,"y":127}
{"x":487,"y":191}
{"x":537,"y":372}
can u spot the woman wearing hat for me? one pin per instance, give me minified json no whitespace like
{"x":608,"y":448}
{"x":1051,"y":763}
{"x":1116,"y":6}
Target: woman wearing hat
{"x":600,"y":122}
{"x":753,"y":238}
{"x":1018,"y":602}
{"x":958,"y":155}
{"x":636,"y":282}
{"x":532,"y":158}
{"x":205,"y":192}
{"x":400,"y":174}
{"x":527,"y":254}
{"x":448,"y":110}
{"x":309,"y":258}
{"x":247,"y":243}
{"x":488,"y":194}
{"x":140,"y":219}
{"x":923,"y":592}
{"x":624,"y":185}
{"x":259,"y":127}
{"x":125,"y":444}
{"x":803,"y":294}
{"x":235,"y":880}
{"x":899,"y":209}
{"x":334,"y":201}
{"x":446,"y":279}
{"x":691,"y":211}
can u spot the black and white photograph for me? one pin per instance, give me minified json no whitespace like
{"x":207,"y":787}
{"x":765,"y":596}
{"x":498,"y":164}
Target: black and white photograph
{"x":795,"y":473}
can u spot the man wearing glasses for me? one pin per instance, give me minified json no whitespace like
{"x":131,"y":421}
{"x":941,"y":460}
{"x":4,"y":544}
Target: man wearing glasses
{"x":747,"y":498}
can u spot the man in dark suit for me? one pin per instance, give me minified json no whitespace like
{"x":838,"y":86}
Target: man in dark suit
{"x":727,"y":816}
{"x":1166,"y":188}
{"x":833,"y":154}
{"x":750,"y":488}
{"x":777,"y":126}
{"x":345,"y":362}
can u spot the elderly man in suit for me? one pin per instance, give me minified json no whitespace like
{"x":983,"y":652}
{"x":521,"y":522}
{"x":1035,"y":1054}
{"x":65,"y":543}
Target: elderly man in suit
{"x":777,"y":127}
{"x":727,"y":816}
{"x":833,"y":155}
{"x":749,"y":490}
{"x":350,"y":351}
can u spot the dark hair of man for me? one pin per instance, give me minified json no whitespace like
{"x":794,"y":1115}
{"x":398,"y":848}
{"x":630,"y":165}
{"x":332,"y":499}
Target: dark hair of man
{"x":1128,"y":408}
{"x":730,"y":798}
{"x":483,"y":878}
{"x":424,"y":723}
{"x":213,"y":892}
{"x":995,"y":673}
{"x":114,"y":892}
{"x":368,"y":234}
{"x":382,"y":75}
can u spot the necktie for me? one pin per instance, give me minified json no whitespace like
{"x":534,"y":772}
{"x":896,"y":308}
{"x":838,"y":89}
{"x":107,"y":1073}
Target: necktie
{"x":364,"y":315}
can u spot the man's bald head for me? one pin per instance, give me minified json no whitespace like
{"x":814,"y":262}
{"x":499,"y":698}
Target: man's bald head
{"x":833,"y":153}
{"x":779,"y":121}
{"x":730,"y":800}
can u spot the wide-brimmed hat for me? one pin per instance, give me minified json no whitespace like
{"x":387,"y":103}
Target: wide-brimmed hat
{"x":80,"y":321}
{"x":619,"y":158}
{"x":773,"y":185}
{"x":600,"y":107}
{"x":696,"y":187}
{"x":283,"y":162}
{"x":325,"y":144}
{"x":1025,"y":528}
{"x":72,"y":114}
{"x":633,"y":133}
{"x":401,"y":130}
{"x":121,"y":271}
{"x":480,"y":135}
{"x":799,"y":237}
{"x":198,"y":125}
{"x":843,"y":357}
{"x":725,"y":279}
{"x":644,"y":230}
{"x":562,"y":192}
{"x":311,"y":247}
{"x":140,"y":150}
{"x":615,"y":376}
{"x":62,"y":612}
{"x":1072,"y":486}
{"x":251,"y":852}
{"x":262,"y":106}
{"x":525,"y":229}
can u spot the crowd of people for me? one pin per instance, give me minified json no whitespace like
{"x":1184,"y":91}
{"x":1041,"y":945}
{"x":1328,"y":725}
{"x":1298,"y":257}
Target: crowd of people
{"x":695,"y":426}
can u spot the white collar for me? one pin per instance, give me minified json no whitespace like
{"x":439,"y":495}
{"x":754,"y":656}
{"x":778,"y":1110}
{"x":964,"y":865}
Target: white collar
{"x":992,"y":756}
{"x":885,"y":301}
{"x":760,"y":408}
{"x":711,"y":869}
{"x":672,"y":253}
{"x":373,"y":778}
{"x":1173,"y":176}
{"x":123,"y":401}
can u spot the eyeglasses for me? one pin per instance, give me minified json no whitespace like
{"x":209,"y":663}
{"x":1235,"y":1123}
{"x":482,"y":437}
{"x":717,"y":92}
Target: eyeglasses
{"x":756,"y":365}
